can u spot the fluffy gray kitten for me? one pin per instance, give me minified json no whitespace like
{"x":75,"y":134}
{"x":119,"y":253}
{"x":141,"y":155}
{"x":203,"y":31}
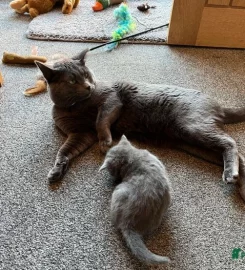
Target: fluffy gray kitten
{"x":141,"y":199}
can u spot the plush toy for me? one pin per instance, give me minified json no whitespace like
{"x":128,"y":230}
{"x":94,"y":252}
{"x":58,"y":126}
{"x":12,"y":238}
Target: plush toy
{"x":1,"y":79}
{"x":13,"y":58}
{"x":103,"y":4}
{"x":37,"y":89}
{"x":37,"y":7}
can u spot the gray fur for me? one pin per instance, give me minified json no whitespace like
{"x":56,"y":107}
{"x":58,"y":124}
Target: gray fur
{"x":142,"y":198}
{"x":88,"y":110}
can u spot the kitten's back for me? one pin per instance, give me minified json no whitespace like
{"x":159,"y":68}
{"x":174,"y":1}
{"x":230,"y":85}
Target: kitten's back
{"x":139,"y":203}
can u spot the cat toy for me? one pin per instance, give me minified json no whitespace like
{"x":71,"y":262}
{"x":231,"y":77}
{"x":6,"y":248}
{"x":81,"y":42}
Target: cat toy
{"x":126,"y":24}
{"x":1,"y":79}
{"x":13,"y":58}
{"x":103,"y":4}
{"x":130,"y":36}
{"x":144,"y":7}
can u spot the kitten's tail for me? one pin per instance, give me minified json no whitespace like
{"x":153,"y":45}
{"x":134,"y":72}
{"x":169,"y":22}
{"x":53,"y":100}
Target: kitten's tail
{"x":234,"y":115}
{"x":139,"y":249}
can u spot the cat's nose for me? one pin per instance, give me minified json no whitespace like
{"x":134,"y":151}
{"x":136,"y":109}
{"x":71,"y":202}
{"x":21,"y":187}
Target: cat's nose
{"x":88,"y":87}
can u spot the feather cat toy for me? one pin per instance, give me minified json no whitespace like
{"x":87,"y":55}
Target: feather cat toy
{"x":126,"y":24}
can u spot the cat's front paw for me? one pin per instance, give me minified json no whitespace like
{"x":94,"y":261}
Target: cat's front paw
{"x":228,"y":178}
{"x":59,"y":170}
{"x":105,"y":145}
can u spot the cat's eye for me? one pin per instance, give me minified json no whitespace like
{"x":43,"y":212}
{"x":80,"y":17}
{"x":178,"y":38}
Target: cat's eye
{"x":72,"y":81}
{"x":86,"y":75}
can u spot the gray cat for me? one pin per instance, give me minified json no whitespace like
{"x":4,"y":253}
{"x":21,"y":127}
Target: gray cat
{"x":142,"y":198}
{"x":88,"y":110}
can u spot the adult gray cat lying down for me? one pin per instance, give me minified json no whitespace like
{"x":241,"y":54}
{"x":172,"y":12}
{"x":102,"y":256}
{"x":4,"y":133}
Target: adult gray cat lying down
{"x":87,"y":110}
{"x":142,"y":198}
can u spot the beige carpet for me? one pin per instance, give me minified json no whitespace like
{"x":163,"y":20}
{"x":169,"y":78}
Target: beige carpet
{"x":83,"y":24}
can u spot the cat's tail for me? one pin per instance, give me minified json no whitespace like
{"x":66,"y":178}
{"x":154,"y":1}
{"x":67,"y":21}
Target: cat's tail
{"x":234,"y":115}
{"x":139,"y":249}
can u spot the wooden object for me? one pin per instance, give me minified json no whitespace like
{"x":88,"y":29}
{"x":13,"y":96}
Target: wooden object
{"x":185,"y":21}
{"x":211,"y":23}
{"x":219,"y":2}
{"x":238,"y":3}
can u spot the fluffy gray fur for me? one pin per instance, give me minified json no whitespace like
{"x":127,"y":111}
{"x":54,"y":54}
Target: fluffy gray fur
{"x":88,"y":110}
{"x":142,"y":198}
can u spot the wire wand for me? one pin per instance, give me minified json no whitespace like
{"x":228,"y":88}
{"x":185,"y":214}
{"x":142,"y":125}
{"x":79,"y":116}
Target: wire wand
{"x":134,"y":35}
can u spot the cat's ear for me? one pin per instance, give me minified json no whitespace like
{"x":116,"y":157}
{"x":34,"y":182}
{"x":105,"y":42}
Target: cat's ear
{"x":103,"y":166}
{"x":124,"y":139}
{"x":47,"y":72}
{"x":81,"y":56}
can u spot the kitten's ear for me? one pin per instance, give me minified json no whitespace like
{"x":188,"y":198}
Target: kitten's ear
{"x":47,"y":72}
{"x":81,"y":56}
{"x":103,"y":166}
{"x":124,"y":139}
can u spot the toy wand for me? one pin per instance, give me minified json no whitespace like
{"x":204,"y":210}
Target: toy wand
{"x":134,"y":35}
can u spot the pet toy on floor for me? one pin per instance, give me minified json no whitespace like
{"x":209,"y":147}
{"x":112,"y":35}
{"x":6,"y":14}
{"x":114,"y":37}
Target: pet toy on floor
{"x":13,"y":58}
{"x":103,"y":4}
{"x":1,"y":79}
{"x":126,"y":24}
{"x":37,"y":7}
{"x":144,"y":7}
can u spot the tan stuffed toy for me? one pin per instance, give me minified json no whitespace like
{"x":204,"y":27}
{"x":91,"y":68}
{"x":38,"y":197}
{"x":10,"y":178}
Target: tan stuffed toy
{"x":37,"y":7}
{"x":1,"y":79}
{"x":13,"y":58}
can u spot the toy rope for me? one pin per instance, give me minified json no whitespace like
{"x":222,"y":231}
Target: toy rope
{"x":134,"y":35}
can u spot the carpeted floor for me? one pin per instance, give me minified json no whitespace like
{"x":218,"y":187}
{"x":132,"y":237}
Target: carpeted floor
{"x":83,"y":24}
{"x":69,"y":228}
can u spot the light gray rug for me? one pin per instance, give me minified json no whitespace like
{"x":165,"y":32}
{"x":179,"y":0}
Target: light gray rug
{"x":83,"y":24}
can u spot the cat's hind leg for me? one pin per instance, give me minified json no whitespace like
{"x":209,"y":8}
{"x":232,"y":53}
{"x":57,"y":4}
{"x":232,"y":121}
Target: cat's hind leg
{"x":231,"y":160}
{"x":241,"y":181}
{"x":215,"y":138}
{"x":75,"y":144}
{"x":215,"y":158}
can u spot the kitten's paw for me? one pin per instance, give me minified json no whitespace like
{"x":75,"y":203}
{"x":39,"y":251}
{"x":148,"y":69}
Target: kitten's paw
{"x":228,"y":178}
{"x":59,"y":170}
{"x":105,"y":145}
